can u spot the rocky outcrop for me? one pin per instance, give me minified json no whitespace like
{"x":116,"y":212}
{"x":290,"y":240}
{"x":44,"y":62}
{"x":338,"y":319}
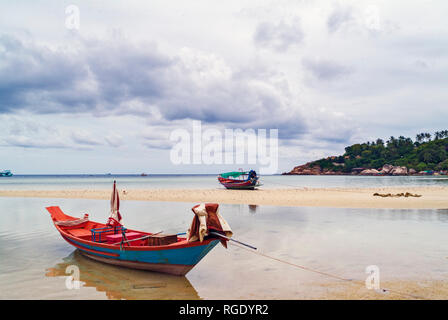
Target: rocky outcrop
{"x":357,"y":170}
{"x":386,"y":169}
{"x":389,"y":169}
{"x":330,"y":172}
{"x":399,"y":171}
{"x":407,"y":194}
{"x":305,"y":169}
{"x":369,"y":172}
{"x":312,"y":168}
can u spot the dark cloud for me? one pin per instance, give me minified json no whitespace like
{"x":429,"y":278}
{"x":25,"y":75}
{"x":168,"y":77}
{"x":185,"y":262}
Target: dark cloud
{"x":35,"y":77}
{"x":116,"y":77}
{"x":92,"y":75}
{"x":124,"y":70}
{"x":279,"y":36}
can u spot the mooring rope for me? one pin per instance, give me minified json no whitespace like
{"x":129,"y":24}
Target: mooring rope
{"x":404,"y":294}
{"x":292,"y":264}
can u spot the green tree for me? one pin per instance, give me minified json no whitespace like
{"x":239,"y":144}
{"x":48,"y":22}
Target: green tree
{"x":443,"y":165}
{"x":421,"y":166}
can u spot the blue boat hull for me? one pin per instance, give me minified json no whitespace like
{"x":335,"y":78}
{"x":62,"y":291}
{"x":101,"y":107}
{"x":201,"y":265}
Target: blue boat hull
{"x":177,"y":261}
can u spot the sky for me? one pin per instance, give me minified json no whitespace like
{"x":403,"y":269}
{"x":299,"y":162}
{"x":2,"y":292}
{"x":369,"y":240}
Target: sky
{"x":105,"y":96}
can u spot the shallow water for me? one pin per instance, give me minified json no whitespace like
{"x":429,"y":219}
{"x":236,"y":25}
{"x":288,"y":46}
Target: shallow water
{"x":57,"y":182}
{"x":406,"y":245}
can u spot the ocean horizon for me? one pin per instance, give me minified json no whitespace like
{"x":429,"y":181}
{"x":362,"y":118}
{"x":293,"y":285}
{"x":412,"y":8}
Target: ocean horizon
{"x":207,"y":181}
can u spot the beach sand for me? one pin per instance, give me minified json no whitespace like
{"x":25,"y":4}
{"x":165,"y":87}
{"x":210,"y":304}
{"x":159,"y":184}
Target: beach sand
{"x":431,"y":197}
{"x":396,"y":290}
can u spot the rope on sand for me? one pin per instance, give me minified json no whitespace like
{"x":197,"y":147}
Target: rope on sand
{"x":383,"y":290}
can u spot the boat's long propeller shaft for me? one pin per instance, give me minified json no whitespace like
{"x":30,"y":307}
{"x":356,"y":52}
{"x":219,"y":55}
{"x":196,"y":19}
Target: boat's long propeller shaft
{"x":230,"y":239}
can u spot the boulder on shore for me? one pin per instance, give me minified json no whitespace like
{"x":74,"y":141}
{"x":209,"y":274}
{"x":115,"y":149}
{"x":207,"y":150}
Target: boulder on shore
{"x":394,"y":170}
{"x":369,"y":172}
{"x":386,"y":169}
{"x":399,"y":171}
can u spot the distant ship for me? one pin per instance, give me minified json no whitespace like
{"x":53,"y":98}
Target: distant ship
{"x":5,"y":173}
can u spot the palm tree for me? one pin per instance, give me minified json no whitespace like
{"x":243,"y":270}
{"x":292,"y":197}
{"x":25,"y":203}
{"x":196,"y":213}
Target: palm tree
{"x":392,"y":141}
{"x":445,"y":133}
{"x":419,"y":137}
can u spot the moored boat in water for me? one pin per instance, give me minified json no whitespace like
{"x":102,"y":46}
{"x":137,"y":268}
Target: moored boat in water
{"x":114,"y":244}
{"x":239,"y":180}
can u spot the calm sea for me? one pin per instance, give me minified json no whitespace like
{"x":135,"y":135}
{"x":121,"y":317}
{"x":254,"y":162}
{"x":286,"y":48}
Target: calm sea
{"x":56,"y":182}
{"x":408,"y":245}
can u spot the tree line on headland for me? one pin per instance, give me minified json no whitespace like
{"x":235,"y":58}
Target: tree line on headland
{"x":428,"y":154}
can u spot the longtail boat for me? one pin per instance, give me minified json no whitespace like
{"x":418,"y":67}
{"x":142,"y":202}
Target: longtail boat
{"x":239,"y":180}
{"x":114,"y":244}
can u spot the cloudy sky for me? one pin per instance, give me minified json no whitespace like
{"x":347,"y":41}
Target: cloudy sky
{"x":105,"y":97}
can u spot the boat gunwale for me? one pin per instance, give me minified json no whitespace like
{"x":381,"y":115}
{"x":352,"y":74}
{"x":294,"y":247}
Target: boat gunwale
{"x":238,"y":184}
{"x":236,"y":181}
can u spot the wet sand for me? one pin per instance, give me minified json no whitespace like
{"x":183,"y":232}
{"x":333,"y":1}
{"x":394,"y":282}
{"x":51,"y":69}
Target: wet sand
{"x":431,"y":197}
{"x":395,"y":290}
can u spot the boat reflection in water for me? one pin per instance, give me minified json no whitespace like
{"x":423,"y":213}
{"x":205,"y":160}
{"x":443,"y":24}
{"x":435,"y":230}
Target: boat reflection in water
{"x":123,"y":283}
{"x":253,"y":208}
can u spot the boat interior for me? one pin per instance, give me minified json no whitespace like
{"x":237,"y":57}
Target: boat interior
{"x":100,"y":233}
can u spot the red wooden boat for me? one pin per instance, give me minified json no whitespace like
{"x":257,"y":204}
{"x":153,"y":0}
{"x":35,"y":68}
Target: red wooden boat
{"x":97,"y":241}
{"x":239,"y":180}
{"x":114,"y":244}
